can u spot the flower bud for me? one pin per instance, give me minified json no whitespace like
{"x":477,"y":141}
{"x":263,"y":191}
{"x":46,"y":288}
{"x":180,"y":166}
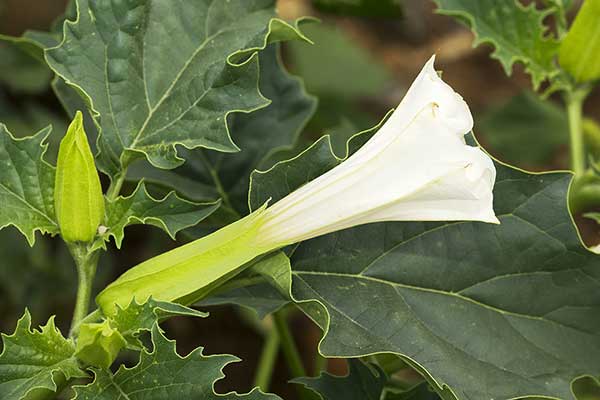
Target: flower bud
{"x":78,"y":198}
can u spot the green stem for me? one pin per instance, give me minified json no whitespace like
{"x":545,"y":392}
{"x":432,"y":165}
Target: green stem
{"x":320,"y":363}
{"x":86,"y":263}
{"x":267,"y":360}
{"x":290,"y":351}
{"x":115,"y":185}
{"x":574,"y":101}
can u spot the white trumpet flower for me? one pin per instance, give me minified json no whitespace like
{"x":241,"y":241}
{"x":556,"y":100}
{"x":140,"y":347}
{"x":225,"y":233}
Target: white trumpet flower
{"x":417,"y":167}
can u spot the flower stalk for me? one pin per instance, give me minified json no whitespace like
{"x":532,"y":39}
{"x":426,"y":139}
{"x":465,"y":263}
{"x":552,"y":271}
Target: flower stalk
{"x":574,"y":101}
{"x":86,"y":264}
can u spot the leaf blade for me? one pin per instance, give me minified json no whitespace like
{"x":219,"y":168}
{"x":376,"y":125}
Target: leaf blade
{"x":33,"y":360}
{"x":497,"y":301}
{"x":515,"y":31}
{"x":184,"y":95}
{"x":171,"y":213}
{"x":165,"y":374}
{"x":26,"y":184}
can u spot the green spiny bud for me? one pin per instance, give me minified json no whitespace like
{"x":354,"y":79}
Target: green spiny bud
{"x":78,"y":198}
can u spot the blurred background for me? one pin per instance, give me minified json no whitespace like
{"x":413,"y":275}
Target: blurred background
{"x":366,"y":54}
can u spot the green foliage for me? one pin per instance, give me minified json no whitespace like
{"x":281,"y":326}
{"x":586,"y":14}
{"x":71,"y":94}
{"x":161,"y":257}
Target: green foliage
{"x":33,"y":116}
{"x":526,"y":131}
{"x":210,"y":174}
{"x":481,"y":311}
{"x":515,"y":31}
{"x":35,"y":362}
{"x":580,"y":48}
{"x":137,"y":317}
{"x":170,"y":213}
{"x":153,"y":376}
{"x":21,"y":72}
{"x":364,"y":382}
{"x":26,"y":184}
{"x":333,"y":61}
{"x":496,"y":301}
{"x":151,"y":94}
{"x":78,"y":198}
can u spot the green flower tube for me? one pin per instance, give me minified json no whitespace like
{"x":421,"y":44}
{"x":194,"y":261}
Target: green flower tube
{"x":186,"y":273}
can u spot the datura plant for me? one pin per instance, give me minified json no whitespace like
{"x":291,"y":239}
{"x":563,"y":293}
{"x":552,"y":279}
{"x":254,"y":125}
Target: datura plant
{"x":415,"y":252}
{"x":387,"y":179}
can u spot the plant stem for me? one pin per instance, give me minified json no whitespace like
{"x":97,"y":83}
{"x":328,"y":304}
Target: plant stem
{"x":320,"y":364}
{"x":290,"y":351}
{"x":267,"y":360}
{"x":115,"y":185}
{"x":574,"y":101}
{"x":86,"y":263}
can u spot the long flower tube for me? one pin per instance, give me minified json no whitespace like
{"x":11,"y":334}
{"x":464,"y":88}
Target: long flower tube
{"x":417,"y":167}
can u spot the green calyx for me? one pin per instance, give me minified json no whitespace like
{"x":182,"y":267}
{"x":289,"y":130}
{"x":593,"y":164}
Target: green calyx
{"x":99,"y":344}
{"x":78,"y":198}
{"x":187,"y":273}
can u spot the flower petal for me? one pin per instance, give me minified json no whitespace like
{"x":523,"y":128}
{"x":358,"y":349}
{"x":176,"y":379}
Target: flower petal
{"x":416,"y":167}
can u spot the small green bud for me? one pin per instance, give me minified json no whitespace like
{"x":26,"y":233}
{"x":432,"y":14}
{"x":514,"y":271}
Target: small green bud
{"x":78,"y":198}
{"x":98,"y":344}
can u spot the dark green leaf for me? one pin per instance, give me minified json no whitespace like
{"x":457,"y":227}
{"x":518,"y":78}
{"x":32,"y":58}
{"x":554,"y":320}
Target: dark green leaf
{"x":515,"y":31}
{"x":163,"y":374}
{"x":21,"y":72}
{"x":26,"y":184}
{"x":161,"y":74}
{"x":170,"y":213}
{"x":35,"y":362}
{"x":526,"y":131}
{"x":336,"y":66}
{"x":211,"y":174}
{"x":364,"y":382}
{"x":498,"y":301}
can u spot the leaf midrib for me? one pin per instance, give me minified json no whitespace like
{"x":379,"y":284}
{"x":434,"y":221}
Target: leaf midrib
{"x":167,"y":93}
